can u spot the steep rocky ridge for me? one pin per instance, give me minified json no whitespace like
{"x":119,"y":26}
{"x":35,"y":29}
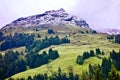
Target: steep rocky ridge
{"x":53,"y":17}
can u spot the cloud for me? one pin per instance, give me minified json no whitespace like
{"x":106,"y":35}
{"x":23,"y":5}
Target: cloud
{"x":100,"y":13}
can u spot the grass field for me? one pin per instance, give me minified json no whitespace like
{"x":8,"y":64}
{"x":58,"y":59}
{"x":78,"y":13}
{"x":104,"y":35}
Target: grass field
{"x":69,"y":52}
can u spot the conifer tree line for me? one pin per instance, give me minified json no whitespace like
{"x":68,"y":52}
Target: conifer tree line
{"x":20,"y":61}
{"x":115,"y":56}
{"x":80,"y":59}
{"x":13,"y":62}
{"x":27,"y":40}
{"x":38,"y":45}
{"x":17,"y":40}
{"x":1,"y":36}
{"x":34,"y":60}
{"x":95,"y":72}
{"x":59,"y":75}
{"x":105,"y":70}
{"x":116,"y":38}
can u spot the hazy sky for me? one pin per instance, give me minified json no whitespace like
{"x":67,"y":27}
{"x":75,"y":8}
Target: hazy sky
{"x":98,"y":13}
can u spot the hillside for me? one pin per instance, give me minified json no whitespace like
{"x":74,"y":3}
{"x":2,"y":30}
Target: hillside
{"x":68,"y":52}
{"x":26,"y":42}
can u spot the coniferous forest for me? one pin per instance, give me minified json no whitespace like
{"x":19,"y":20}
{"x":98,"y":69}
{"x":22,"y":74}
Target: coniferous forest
{"x":102,"y":71}
{"x":57,"y":44}
{"x":13,"y":62}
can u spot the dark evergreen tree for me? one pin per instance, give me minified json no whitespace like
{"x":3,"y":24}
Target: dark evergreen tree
{"x":64,"y":76}
{"x":71,"y":74}
{"x":39,"y":36}
{"x":50,"y":53}
{"x":45,"y":57}
{"x":65,"y":40}
{"x":91,"y":71}
{"x":53,"y":54}
{"x":51,"y":31}
{"x":45,"y":76}
{"x":76,"y":77}
{"x":1,"y":36}
{"x":20,"y":65}
{"x":18,"y":40}
{"x":117,"y":39}
{"x":102,"y":53}
{"x":110,"y":37}
{"x":85,"y":55}
{"x":92,"y":53}
{"x":59,"y":74}
{"x":11,"y":64}
{"x":9,"y":79}
{"x":94,"y":32}
{"x":98,"y":51}
{"x":106,"y":67}
{"x":29,"y":78}
{"x":115,"y":56}
{"x":79,"y":60}
{"x":113,"y":75}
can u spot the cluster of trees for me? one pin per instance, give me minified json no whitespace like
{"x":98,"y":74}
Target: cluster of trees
{"x":13,"y":62}
{"x":94,"y":32}
{"x":117,"y":38}
{"x":55,"y":76}
{"x":51,"y":31}
{"x":110,"y":37}
{"x":18,"y":40}
{"x":37,"y":45}
{"x":34,"y":60}
{"x":96,"y":72}
{"x":105,"y":70}
{"x":1,"y":36}
{"x":86,"y":55}
{"x":87,"y":32}
{"x":115,"y":56}
{"x":22,"y":39}
{"x":102,"y":72}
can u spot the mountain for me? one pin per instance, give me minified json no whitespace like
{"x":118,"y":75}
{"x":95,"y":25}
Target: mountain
{"x":53,"y":17}
{"x":110,"y":31}
{"x":42,"y":45}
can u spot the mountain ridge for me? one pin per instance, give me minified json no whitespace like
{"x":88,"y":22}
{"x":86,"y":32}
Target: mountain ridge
{"x":52,"y":17}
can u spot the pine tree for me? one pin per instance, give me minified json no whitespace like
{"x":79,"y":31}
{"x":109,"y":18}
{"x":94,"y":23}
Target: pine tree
{"x":91,"y":71}
{"x":92,"y":53}
{"x":79,"y":60}
{"x":85,"y":55}
{"x":98,"y":51}
{"x":106,"y":67}
{"x":113,"y":75}
{"x":71,"y":74}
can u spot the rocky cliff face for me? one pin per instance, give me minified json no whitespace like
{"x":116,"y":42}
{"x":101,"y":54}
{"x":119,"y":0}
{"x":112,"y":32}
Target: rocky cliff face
{"x":54,"y":17}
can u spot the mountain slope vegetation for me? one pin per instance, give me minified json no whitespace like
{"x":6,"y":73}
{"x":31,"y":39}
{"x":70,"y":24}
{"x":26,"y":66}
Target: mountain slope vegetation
{"x":69,"y":52}
{"x":56,"y":42}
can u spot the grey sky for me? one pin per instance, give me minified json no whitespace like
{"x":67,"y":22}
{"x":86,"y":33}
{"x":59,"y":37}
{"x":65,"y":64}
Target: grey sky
{"x":98,"y":13}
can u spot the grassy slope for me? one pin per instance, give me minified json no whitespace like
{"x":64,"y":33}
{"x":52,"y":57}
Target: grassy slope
{"x":69,"y":52}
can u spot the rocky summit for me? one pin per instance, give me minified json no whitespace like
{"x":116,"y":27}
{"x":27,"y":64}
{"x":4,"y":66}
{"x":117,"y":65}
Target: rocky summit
{"x":53,"y":17}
